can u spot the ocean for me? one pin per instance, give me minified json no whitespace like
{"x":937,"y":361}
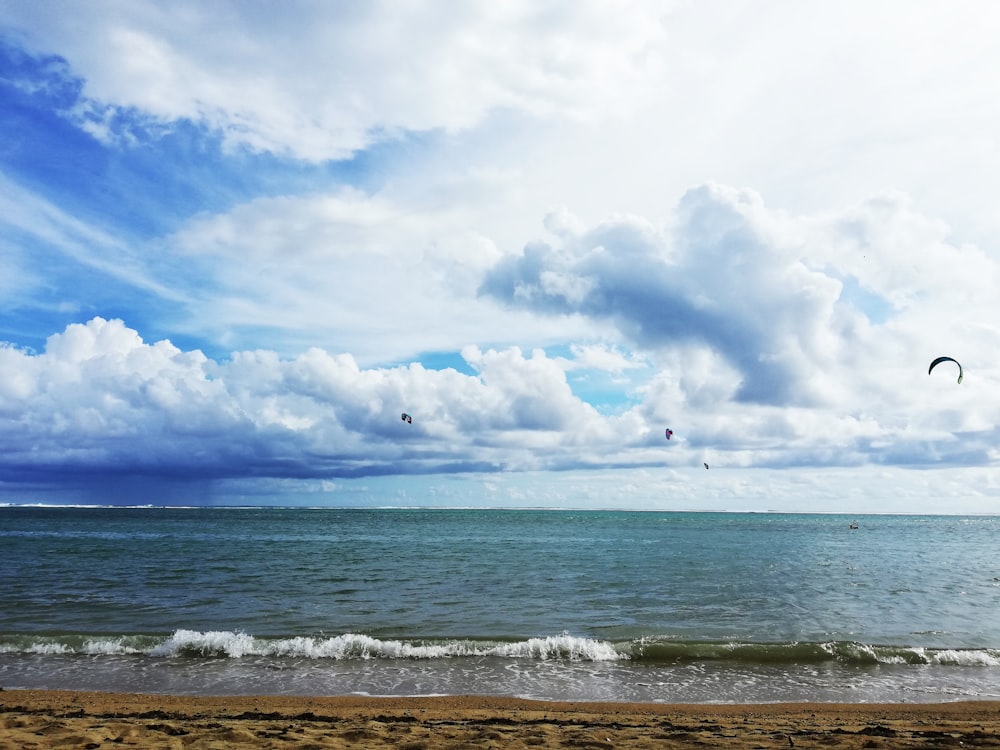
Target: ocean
{"x":545,"y":604}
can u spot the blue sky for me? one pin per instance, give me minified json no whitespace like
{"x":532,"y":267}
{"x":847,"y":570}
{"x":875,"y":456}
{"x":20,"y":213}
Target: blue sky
{"x":237,"y":240}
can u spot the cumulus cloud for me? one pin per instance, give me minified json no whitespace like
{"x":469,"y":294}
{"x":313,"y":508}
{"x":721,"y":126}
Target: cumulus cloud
{"x":762,"y":338}
{"x":784,"y":339}
{"x":727,"y":279}
{"x":101,"y":400}
{"x":518,"y":191}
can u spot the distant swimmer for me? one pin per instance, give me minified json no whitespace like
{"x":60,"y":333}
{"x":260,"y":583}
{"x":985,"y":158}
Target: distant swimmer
{"x":854,"y":524}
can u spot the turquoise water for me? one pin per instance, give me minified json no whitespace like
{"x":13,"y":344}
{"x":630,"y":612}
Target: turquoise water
{"x":692,"y":607}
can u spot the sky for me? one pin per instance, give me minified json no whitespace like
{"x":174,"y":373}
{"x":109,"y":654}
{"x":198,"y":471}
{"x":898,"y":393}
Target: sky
{"x":239,"y":239}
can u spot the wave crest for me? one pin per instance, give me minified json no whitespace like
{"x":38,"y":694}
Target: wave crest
{"x":226,"y":644}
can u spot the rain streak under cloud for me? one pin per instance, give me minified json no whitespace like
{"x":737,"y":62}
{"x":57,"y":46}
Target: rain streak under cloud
{"x":236,"y":246}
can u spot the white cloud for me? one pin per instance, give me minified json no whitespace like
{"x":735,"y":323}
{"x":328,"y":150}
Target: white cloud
{"x":99,"y":399}
{"x":324,"y":83}
{"x":786,"y":370}
{"x":548,"y":204}
{"x":626,"y":104}
{"x":364,"y":273}
{"x":743,"y":310}
{"x":602,"y":358}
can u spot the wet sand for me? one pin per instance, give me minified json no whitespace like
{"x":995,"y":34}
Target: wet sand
{"x":32,"y":719}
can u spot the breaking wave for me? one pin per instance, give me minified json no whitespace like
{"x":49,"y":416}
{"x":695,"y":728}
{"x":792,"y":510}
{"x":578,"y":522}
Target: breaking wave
{"x":353,"y":646}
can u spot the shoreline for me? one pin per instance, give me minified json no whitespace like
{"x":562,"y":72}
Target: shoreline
{"x":57,"y":718}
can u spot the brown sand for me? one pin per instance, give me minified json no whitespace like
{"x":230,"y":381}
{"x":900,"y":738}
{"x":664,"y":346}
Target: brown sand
{"x":58,"y":719}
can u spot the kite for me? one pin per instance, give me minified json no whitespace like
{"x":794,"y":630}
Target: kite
{"x":946,"y":359}
{"x":669,"y":433}
{"x":407,"y":418}
{"x":706,"y":466}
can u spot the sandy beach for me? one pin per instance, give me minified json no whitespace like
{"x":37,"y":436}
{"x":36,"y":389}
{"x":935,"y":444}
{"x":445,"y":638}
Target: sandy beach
{"x":63,"y":719}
